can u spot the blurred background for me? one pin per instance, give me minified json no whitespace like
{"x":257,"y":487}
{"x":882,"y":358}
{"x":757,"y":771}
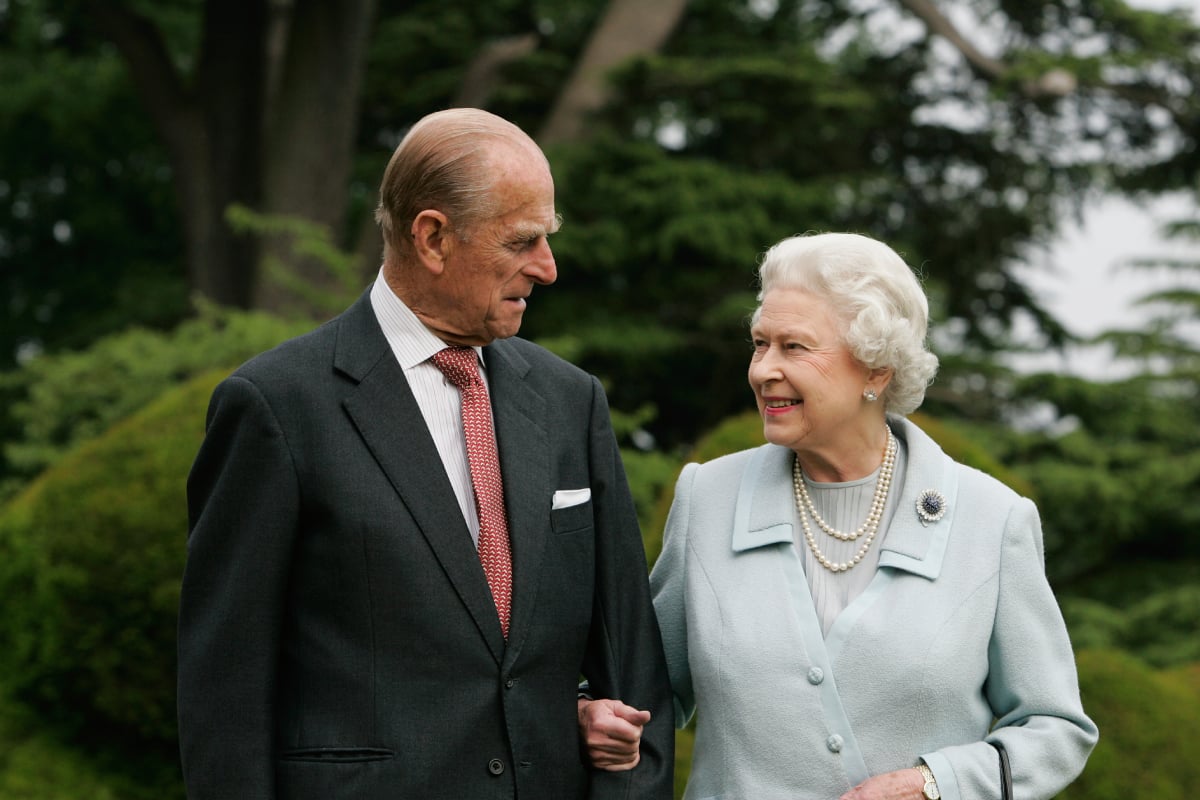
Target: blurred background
{"x":184,"y":183}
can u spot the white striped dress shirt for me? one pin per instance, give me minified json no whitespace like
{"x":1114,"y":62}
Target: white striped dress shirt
{"x":439,"y":400}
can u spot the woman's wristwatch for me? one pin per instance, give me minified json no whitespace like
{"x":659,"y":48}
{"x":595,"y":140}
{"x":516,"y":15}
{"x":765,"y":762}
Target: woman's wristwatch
{"x":930,"y":789}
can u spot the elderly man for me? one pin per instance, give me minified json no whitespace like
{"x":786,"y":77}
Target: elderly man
{"x":411,"y":534}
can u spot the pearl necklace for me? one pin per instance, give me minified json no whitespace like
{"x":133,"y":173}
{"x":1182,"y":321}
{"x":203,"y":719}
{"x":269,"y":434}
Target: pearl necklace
{"x":870,"y":526}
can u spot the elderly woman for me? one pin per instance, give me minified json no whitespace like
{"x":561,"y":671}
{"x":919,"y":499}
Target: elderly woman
{"x":852,"y":613}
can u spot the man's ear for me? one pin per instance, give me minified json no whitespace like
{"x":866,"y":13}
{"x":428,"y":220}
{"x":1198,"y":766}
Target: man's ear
{"x":431,"y":239}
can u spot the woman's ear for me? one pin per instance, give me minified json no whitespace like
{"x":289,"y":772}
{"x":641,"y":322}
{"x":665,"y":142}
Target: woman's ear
{"x":878,"y":379}
{"x":431,"y":239}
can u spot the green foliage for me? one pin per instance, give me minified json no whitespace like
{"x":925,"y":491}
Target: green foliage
{"x":1149,"y":722}
{"x":1129,"y":465}
{"x":307,"y":241}
{"x":89,"y":239}
{"x":34,"y":765}
{"x":95,"y":550}
{"x":1150,"y":610}
{"x":57,"y":401}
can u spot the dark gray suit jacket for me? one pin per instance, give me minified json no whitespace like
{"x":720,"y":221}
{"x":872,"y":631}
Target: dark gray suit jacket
{"x":337,"y":638}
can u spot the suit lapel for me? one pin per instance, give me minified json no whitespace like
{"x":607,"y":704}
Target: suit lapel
{"x":524,"y":448}
{"x":386,"y":415}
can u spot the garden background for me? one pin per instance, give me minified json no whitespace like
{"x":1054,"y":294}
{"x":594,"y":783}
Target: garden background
{"x":184,"y":183}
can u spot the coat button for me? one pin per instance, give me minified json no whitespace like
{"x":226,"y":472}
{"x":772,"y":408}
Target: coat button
{"x":496,"y":766}
{"x":834,"y":743}
{"x":816,"y":675}
{"x":508,"y":684}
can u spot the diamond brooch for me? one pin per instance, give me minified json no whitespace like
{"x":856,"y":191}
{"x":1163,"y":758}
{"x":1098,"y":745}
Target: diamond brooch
{"x":931,"y":506}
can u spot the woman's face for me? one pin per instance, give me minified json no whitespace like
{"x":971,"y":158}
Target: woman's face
{"x":808,"y":387}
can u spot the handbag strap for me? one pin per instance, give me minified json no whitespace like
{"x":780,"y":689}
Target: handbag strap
{"x":1006,"y":790}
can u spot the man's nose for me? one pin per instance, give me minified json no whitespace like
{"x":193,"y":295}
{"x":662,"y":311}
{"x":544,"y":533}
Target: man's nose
{"x":541,"y":268}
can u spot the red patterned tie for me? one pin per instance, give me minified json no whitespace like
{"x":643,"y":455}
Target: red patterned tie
{"x":460,"y":366}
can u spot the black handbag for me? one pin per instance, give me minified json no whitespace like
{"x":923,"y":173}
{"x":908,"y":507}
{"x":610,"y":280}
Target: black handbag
{"x":1006,"y":792}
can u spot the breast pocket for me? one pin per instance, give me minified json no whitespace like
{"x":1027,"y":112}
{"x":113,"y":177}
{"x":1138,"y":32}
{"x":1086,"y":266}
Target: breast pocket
{"x":571,"y":518}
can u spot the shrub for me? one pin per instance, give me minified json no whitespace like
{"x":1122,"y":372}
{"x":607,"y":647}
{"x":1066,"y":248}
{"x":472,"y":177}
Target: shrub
{"x":95,"y":550}
{"x":58,"y":401}
{"x":1149,"y":722}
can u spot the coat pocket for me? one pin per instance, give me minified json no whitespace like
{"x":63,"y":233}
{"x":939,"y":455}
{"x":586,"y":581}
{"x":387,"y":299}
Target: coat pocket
{"x":337,"y":754}
{"x":571,"y":518}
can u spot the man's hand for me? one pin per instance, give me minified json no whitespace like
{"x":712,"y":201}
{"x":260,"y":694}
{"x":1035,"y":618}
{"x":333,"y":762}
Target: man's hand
{"x":611,"y":733}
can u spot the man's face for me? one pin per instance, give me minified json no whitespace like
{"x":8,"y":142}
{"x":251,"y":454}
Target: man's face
{"x":491,"y":268}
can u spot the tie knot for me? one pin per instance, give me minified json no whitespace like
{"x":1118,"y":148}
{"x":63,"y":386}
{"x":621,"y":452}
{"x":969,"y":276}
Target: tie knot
{"x":459,"y":365}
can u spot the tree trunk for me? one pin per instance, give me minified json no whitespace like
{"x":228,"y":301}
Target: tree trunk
{"x":268,"y":122}
{"x":311,"y":133}
{"x":628,"y":28}
{"x":212,"y":130}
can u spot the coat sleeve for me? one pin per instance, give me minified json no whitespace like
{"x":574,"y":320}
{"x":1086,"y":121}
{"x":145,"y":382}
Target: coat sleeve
{"x":667,"y":585}
{"x":1032,"y":684}
{"x":243,"y":509}
{"x":625,"y":656}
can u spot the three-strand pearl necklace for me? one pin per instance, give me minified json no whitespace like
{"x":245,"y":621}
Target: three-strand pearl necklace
{"x":870,"y":526}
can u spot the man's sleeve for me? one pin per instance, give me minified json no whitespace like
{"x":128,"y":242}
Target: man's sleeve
{"x":625,"y":656}
{"x":242,"y":510}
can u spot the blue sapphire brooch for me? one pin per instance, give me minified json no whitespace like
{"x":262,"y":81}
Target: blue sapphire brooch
{"x":931,"y":506}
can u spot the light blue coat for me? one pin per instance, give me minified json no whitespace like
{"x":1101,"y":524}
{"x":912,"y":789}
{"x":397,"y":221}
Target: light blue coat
{"x":957,"y":628}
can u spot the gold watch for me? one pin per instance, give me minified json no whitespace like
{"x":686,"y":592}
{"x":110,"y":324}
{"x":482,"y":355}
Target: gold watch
{"x":930,"y":789}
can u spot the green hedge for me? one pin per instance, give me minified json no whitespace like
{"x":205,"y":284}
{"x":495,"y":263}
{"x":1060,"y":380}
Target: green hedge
{"x":1149,"y":724}
{"x":94,"y":549}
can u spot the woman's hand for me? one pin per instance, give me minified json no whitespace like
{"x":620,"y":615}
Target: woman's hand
{"x":903,"y":784}
{"x":611,"y":733}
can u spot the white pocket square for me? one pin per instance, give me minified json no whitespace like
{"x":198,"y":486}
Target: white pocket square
{"x":565,"y":498}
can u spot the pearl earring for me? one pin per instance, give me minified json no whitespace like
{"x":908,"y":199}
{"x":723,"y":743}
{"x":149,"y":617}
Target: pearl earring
{"x":870,"y":396}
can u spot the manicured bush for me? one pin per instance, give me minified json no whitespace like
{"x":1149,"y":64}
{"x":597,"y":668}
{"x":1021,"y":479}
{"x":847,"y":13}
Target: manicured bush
{"x":92,"y":554}
{"x":1149,"y":724}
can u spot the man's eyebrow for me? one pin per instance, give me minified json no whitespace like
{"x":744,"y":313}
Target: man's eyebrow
{"x":534,"y":230}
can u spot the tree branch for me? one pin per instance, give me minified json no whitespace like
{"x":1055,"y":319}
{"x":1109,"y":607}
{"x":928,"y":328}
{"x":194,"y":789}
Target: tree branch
{"x":484,"y":72}
{"x":628,"y":28}
{"x":154,"y":75}
{"x":1055,"y":83}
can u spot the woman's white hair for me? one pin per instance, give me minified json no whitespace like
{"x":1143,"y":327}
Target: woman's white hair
{"x":882,"y":308}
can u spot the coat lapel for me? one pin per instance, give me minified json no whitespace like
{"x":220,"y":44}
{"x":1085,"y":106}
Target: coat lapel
{"x":386,"y":415}
{"x":524,"y":447}
{"x":764,"y":511}
{"x":912,"y":545}
{"x":765,"y":506}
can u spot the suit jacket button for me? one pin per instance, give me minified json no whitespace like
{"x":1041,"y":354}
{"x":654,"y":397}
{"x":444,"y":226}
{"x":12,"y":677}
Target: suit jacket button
{"x":816,"y":675}
{"x":834,"y":743}
{"x":496,"y":766}
{"x":508,"y":684}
